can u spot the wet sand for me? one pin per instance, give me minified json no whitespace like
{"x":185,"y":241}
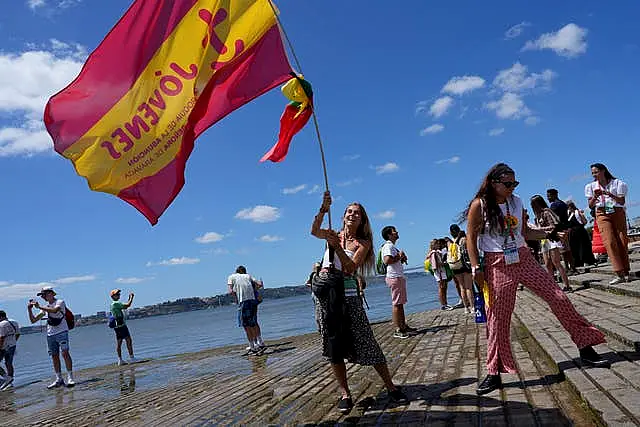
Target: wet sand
{"x":292,"y":384}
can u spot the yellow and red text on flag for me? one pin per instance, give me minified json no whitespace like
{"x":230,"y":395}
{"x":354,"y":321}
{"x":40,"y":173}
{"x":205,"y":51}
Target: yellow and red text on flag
{"x":166,"y":72}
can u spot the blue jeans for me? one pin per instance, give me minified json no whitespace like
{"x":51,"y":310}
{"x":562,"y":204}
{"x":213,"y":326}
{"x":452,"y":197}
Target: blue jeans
{"x":58,"y":342}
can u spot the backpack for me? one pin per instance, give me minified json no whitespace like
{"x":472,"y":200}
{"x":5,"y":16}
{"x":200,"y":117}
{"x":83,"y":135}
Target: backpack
{"x":381,"y":267}
{"x":71,"y":320}
{"x":454,"y":256}
{"x":112,"y":321}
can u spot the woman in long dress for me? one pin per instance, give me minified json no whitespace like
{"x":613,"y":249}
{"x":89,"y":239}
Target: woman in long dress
{"x":579,"y":240}
{"x":352,"y":248}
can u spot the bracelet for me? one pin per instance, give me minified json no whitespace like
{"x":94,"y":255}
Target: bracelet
{"x":475,"y":268}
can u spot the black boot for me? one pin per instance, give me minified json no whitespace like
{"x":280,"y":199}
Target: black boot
{"x":490,"y":383}
{"x":589,"y":357}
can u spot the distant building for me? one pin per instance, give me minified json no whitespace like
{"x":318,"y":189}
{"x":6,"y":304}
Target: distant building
{"x":101,"y":314}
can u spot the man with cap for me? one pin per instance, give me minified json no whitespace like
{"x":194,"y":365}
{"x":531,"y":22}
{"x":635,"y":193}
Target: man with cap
{"x":9,"y":334}
{"x":57,"y":333}
{"x":122,"y":332}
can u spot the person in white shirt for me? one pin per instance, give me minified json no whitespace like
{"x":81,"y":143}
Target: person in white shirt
{"x":607,"y":194}
{"x":57,"y":333}
{"x":394,"y":258}
{"x":9,"y":334}
{"x":243,"y":286}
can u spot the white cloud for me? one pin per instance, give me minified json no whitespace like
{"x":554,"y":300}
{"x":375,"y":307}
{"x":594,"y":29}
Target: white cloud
{"x":569,"y":41}
{"x":62,"y":4}
{"x":462,"y":85}
{"x":516,"y":79}
{"x":269,"y":238}
{"x":388,"y":167}
{"x":175,"y":261}
{"x":132,"y":280}
{"x":348,"y":183}
{"x":440,"y":106}
{"x":510,"y":106}
{"x":260,"y":213}
{"x":74,"y":279}
{"x":221,"y":251}
{"x":496,"y":132}
{"x":532,"y":120}
{"x":209,"y":237}
{"x":27,"y":80}
{"x":516,"y":30}
{"x":432,"y":129}
{"x":388,"y":214}
{"x":451,"y":160}
{"x":315,"y":189}
{"x":351,"y":157}
{"x":294,"y":190}
{"x":15,"y":291}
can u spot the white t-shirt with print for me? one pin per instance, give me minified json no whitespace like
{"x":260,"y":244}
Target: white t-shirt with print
{"x":393,"y":270}
{"x":617,"y":187}
{"x":242,"y":286}
{"x":8,"y":329}
{"x":62,"y":327}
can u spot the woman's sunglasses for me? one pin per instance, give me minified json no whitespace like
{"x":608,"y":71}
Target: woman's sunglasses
{"x":509,"y":184}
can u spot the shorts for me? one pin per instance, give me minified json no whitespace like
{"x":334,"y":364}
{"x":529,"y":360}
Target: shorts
{"x":122,"y":332}
{"x":58,"y":342}
{"x":464,"y":269}
{"x":548,"y":245}
{"x":398,"y":286}
{"x":7,"y":355}
{"x":248,"y":313}
{"x":440,"y":275}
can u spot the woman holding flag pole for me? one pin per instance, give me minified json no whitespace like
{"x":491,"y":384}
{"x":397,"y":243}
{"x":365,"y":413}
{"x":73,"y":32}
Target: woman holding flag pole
{"x":496,"y":226}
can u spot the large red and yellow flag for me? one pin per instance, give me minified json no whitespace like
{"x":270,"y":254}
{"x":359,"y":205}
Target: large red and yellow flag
{"x":166,"y":72}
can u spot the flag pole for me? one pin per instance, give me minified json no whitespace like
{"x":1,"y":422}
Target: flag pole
{"x":313,"y":110}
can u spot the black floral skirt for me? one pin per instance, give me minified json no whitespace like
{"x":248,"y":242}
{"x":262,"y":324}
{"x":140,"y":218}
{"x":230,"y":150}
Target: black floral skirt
{"x":364,"y":349}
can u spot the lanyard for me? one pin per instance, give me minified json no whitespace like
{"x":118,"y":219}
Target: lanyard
{"x":509,"y":225}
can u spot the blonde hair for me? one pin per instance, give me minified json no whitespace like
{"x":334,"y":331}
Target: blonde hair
{"x":364,"y":233}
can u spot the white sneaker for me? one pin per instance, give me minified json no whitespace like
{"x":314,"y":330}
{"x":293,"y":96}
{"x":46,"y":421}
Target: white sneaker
{"x":70,"y":382}
{"x":466,"y":310}
{"x":248,"y":348}
{"x":57,"y":383}
{"x":6,"y":384}
{"x":122,"y":362}
{"x":617,"y":280}
{"x":132,"y":359}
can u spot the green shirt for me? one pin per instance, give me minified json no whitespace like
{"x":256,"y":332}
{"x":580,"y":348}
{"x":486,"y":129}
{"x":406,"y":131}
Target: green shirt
{"x":117,"y":308}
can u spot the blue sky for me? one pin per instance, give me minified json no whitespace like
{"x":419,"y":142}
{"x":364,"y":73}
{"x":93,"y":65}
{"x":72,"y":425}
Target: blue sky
{"x":414,"y":103}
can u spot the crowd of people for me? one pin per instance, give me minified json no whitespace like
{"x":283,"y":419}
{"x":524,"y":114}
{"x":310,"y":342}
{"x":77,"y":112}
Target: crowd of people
{"x":503,"y":248}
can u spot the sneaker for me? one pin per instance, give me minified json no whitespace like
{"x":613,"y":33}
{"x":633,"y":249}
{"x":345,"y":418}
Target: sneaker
{"x":345,"y":405}
{"x":446,"y":308}
{"x":567,"y":289}
{"x":490,"y":383}
{"x":466,"y":310}
{"x":397,"y":396}
{"x":248,"y":348}
{"x":460,"y":304}
{"x":122,"y":362}
{"x":6,"y":384}
{"x":56,"y":384}
{"x":628,"y":279}
{"x":617,"y":281}
{"x":590,"y":357}
{"x":400,"y":334}
{"x":132,"y":359}
{"x":70,"y":382}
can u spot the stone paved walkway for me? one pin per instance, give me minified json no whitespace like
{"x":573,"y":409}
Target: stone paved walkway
{"x":438,"y":368}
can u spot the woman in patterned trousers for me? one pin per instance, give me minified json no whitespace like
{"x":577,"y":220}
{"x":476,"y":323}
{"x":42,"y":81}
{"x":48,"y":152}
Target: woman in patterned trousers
{"x":495,"y":226}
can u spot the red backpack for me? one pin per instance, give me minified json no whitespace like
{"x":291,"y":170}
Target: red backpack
{"x":71,"y":319}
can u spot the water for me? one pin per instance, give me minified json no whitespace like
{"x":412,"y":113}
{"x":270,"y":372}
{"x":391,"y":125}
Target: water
{"x":159,"y":336}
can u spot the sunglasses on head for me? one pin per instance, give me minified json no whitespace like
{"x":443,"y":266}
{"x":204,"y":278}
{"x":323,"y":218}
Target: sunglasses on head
{"x":509,"y":184}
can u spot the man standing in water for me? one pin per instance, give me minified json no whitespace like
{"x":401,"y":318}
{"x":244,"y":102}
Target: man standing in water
{"x":394,"y":258}
{"x":9,"y":334}
{"x":243,"y":286}
{"x":57,"y":333}
{"x":121,"y":329}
